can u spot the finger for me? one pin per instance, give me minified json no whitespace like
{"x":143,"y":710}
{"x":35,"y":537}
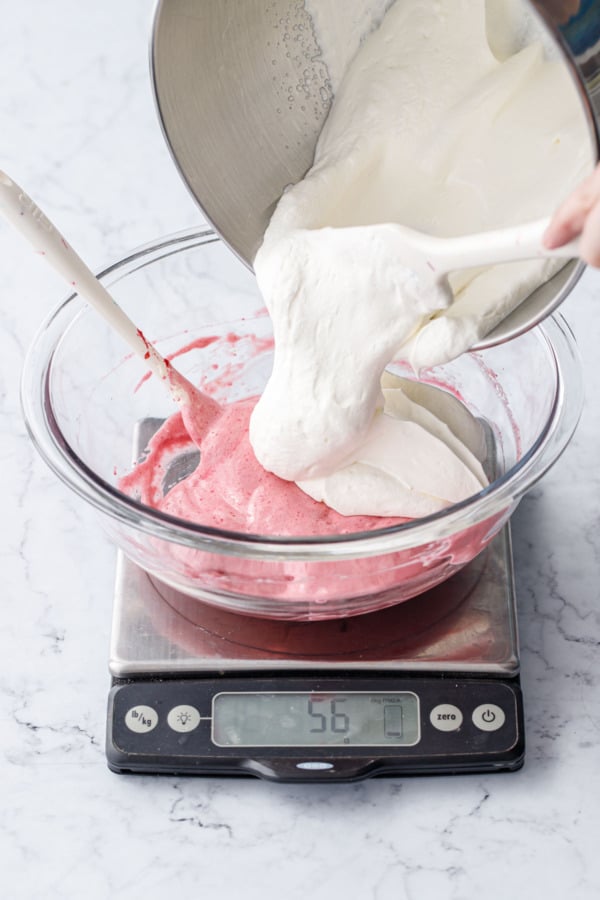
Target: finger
{"x":569,"y":219}
{"x":567,"y":222}
{"x":562,"y":231}
{"x":559,"y":11}
{"x":589,"y":247}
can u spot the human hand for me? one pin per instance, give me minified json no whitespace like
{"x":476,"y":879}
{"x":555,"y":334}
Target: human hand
{"x":579,"y":215}
{"x":558,"y":11}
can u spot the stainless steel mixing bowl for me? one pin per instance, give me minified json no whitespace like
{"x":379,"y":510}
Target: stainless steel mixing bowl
{"x":242,"y":93}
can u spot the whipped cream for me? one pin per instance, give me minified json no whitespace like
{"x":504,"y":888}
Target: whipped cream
{"x":435,"y":128}
{"x":410,"y":460}
{"x":341,"y":27}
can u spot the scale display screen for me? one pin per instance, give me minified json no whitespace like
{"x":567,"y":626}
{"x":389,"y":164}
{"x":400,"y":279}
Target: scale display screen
{"x":283,"y":719}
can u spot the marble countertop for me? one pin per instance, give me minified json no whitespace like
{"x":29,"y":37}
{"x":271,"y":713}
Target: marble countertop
{"x":78,"y":130}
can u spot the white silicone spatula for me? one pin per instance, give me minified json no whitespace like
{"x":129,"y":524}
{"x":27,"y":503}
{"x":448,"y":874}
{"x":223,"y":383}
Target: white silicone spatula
{"x":431,"y":258}
{"x":21,"y":211}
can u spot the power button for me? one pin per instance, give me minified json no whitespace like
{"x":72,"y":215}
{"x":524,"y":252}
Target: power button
{"x":488,"y":717}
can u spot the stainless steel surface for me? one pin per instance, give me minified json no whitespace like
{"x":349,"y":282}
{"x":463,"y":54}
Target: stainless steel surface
{"x":580,"y":40}
{"x":467,"y":624}
{"x":242,"y":93}
{"x":473,"y":432}
{"x":225,"y":81}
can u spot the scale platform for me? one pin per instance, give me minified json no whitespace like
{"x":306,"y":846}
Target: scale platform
{"x":429,"y":686}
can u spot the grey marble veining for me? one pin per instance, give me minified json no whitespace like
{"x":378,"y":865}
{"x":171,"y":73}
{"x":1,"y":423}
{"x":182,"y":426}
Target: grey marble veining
{"x":78,"y":130}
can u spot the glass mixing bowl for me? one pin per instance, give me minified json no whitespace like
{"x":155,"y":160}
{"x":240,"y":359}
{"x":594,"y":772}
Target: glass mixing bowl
{"x":84,"y":395}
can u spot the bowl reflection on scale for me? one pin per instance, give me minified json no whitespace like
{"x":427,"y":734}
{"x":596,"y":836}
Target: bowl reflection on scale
{"x":466,"y":623}
{"x":186,"y":288}
{"x":415,"y":624}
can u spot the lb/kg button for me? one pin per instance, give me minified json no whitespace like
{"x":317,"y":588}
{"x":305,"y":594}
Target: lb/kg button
{"x":141,"y":719}
{"x":488,"y":717}
{"x":446,"y":717}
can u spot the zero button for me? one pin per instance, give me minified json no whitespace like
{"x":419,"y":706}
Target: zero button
{"x":446,"y":717}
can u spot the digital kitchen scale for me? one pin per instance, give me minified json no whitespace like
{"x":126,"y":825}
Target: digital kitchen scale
{"x":429,"y":686}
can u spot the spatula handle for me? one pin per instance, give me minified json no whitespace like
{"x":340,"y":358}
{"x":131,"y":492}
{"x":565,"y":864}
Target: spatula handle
{"x":502,"y":245}
{"x":26,"y":217}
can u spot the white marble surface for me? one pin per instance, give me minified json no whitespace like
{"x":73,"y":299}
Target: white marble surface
{"x":78,"y":130}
